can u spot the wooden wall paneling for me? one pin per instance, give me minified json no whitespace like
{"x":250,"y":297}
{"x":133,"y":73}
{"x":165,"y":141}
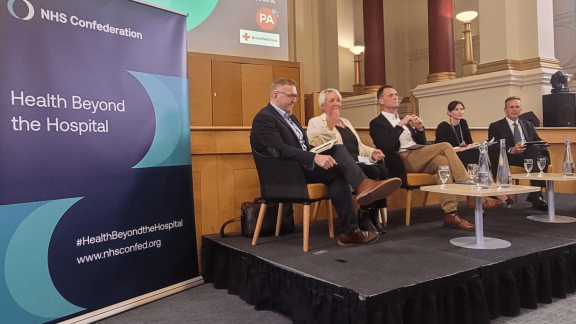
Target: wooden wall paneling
{"x":205,"y":189}
{"x":237,"y":182}
{"x":209,"y":140}
{"x":200,"y":90}
{"x":226,"y":94}
{"x":293,"y":73}
{"x":256,"y":81}
{"x":312,"y":108}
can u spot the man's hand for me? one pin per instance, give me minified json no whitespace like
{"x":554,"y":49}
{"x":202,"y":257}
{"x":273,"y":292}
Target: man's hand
{"x":406,"y":120}
{"x":519,"y":148}
{"x":377,"y":155}
{"x":417,"y":123}
{"x":325,"y":161}
{"x":414,"y":119}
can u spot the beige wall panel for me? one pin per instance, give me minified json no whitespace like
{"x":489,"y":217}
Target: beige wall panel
{"x":227,"y":94}
{"x":256,"y":81}
{"x":200,"y":90}
{"x":293,"y":73}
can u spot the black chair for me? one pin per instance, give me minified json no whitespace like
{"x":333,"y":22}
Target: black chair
{"x":283,"y":181}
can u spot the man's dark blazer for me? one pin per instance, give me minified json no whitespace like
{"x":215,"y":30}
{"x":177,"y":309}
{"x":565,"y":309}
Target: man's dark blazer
{"x":387,"y":139}
{"x":272,"y":136}
{"x":501,"y":130}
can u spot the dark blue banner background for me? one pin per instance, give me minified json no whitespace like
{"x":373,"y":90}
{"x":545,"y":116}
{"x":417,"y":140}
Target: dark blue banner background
{"x":95,"y":183}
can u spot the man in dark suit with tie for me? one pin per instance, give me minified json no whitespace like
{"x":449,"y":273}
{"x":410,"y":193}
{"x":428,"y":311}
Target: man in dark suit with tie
{"x":516,"y":132}
{"x":396,"y":138}
{"x":276,"y":132}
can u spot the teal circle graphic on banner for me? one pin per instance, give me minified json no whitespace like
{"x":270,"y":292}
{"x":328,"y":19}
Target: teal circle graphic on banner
{"x":26,"y":261}
{"x":197,"y":10}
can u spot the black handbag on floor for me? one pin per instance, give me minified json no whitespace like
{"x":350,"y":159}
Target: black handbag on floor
{"x":249,"y":216}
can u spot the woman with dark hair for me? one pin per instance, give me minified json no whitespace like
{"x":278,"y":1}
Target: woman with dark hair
{"x":456,"y":132}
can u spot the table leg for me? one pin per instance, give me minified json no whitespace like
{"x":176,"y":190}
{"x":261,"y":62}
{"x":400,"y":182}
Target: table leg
{"x":552,"y":217}
{"x":479,"y":242}
{"x":479,"y":221}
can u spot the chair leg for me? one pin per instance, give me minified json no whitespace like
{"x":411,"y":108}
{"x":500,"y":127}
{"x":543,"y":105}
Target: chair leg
{"x":330,"y":221}
{"x":408,"y":206}
{"x":259,"y":223}
{"x":314,"y":213}
{"x":425,"y":198}
{"x":279,"y":218}
{"x":306,"y":233}
{"x":384,"y":216}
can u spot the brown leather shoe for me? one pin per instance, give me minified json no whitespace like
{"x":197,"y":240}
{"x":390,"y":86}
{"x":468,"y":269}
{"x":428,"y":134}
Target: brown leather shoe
{"x":491,"y":203}
{"x":453,"y":220}
{"x":358,"y":237}
{"x":487,"y":202}
{"x":370,"y":190}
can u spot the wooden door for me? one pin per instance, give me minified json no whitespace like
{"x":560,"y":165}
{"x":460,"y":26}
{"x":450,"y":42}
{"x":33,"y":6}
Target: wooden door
{"x":256,"y":81}
{"x":226,"y":94}
{"x":200,"y":89}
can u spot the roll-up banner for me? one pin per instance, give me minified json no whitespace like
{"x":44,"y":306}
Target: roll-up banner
{"x":95,"y":175}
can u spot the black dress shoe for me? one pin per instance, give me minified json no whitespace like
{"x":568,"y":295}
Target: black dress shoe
{"x":364,"y":221}
{"x":375,"y":221}
{"x":538,"y":201}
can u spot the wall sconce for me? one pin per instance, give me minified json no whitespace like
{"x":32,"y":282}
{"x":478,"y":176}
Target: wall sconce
{"x":469,"y":66}
{"x":358,"y":86}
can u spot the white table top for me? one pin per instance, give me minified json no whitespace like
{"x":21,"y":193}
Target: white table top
{"x":545,"y":176}
{"x":472,"y":190}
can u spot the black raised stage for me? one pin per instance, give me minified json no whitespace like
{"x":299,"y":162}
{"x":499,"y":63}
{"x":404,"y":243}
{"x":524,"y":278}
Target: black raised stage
{"x":412,"y":274}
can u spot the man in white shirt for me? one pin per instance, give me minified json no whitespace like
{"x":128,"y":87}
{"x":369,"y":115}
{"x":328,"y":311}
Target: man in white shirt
{"x":517,"y":132}
{"x":397,"y":138}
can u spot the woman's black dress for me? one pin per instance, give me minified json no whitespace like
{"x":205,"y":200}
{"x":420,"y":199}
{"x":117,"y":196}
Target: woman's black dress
{"x":458,"y":135}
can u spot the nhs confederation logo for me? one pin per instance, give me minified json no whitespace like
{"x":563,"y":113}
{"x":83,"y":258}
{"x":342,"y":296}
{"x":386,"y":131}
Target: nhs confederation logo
{"x":13,"y":13}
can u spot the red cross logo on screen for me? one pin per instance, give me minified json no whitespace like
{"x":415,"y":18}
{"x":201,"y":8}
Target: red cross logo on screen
{"x":245,"y":36}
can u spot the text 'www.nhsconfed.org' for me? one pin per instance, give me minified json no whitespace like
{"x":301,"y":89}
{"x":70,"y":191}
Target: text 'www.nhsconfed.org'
{"x":114,"y":252}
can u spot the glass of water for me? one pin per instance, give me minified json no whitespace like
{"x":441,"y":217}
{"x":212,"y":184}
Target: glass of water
{"x":541,"y":166}
{"x":528,"y":164}
{"x":472,"y":172}
{"x":483,"y":180}
{"x":444,"y":174}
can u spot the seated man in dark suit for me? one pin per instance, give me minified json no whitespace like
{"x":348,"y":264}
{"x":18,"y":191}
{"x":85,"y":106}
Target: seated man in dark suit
{"x":517,"y":131}
{"x":393,"y":135}
{"x":276,"y":132}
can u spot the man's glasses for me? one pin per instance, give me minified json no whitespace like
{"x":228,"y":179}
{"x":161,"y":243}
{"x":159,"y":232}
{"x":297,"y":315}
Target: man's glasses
{"x":291,"y":96}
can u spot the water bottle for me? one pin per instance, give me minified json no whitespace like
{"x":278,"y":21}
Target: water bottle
{"x":568,"y":163}
{"x":503,"y":176}
{"x":483,"y":178}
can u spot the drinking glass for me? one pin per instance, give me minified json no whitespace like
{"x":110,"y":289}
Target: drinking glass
{"x":541,"y":165}
{"x":444,"y":174}
{"x":483,"y":180}
{"x":528,"y":164}
{"x":472,"y":172}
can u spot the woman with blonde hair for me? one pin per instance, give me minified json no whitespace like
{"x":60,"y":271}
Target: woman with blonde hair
{"x":331,"y":126}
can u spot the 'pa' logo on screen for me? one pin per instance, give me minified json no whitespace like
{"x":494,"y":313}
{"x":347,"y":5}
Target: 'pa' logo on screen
{"x":21,"y":10}
{"x":267,"y":18}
